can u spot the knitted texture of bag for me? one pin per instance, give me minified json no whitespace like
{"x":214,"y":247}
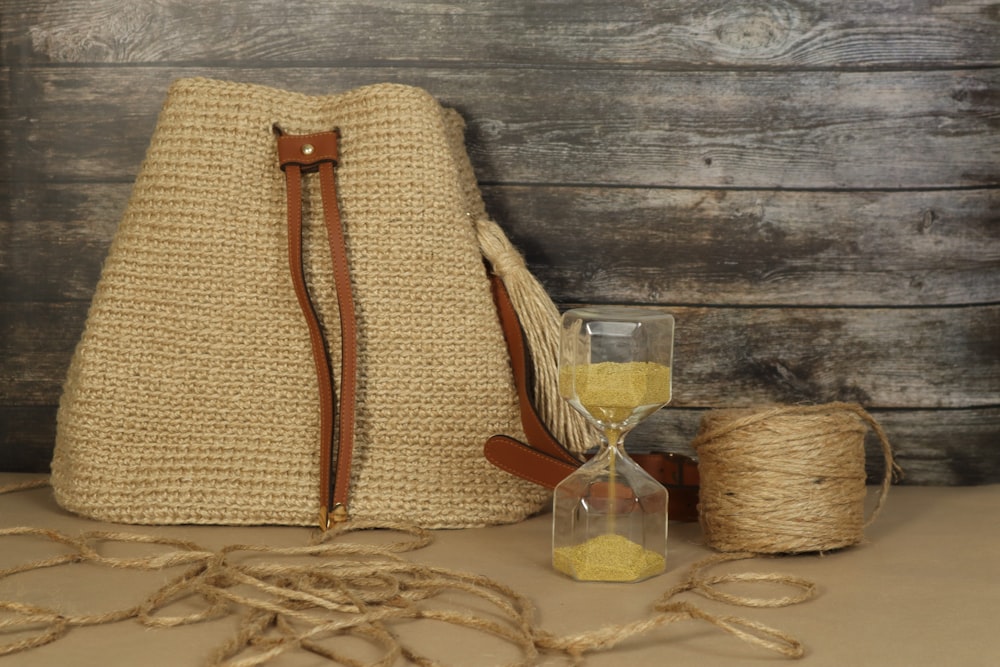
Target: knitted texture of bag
{"x":191,"y":396}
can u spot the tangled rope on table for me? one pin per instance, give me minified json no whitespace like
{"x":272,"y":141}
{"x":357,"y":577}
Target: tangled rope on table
{"x":308,"y":597}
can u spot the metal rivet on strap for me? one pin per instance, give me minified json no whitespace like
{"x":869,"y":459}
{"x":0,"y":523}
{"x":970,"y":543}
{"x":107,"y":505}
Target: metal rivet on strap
{"x":307,"y":149}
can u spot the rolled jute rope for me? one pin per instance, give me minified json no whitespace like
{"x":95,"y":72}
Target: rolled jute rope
{"x":787,"y":479}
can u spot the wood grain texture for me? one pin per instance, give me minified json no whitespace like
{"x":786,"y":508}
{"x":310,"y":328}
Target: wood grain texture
{"x":766,"y":247}
{"x":931,"y":446}
{"x":787,"y":130}
{"x":26,"y":437}
{"x":56,"y":238}
{"x":670,"y":246}
{"x":484,"y":33}
{"x":942,"y":357}
{"x":813,"y":187}
{"x":38,"y":339}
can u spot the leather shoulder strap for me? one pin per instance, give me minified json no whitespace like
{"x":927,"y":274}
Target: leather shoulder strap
{"x":535,"y":429}
{"x":543,"y":459}
{"x":298,"y":154}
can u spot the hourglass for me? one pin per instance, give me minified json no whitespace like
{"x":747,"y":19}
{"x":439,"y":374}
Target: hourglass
{"x":610,"y":515}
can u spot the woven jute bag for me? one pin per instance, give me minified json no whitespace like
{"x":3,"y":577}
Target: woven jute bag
{"x":192,"y":395}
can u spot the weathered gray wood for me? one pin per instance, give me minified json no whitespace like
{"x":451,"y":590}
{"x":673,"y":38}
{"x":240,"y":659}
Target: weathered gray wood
{"x":813,"y":186}
{"x":625,"y":245}
{"x":56,"y":237}
{"x":931,"y":446}
{"x":674,"y":34}
{"x":844,"y":248}
{"x":27,"y":437}
{"x":943,"y":446}
{"x":787,"y":130}
{"x":881,"y":357}
{"x":38,"y":341}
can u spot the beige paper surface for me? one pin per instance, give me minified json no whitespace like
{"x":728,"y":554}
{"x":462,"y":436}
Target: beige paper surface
{"x":923,"y":590}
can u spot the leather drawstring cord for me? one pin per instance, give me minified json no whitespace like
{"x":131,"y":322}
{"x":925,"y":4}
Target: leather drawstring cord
{"x":299,"y":154}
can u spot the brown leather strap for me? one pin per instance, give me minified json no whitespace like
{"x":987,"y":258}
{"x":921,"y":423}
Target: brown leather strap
{"x":544,"y":460}
{"x":535,"y":429}
{"x":298,"y":154}
{"x":679,"y":474}
{"x":526,"y":462}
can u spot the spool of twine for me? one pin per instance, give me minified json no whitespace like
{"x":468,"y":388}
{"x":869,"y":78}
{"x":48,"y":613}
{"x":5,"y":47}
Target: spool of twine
{"x":787,"y":479}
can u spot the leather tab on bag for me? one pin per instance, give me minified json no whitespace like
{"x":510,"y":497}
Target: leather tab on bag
{"x":307,"y":151}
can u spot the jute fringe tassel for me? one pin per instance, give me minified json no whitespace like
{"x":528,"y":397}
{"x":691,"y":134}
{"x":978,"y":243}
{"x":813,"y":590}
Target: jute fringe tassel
{"x":787,"y":479}
{"x":540,"y":321}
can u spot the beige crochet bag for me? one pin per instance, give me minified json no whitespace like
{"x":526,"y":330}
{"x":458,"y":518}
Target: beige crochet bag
{"x":197,"y":392}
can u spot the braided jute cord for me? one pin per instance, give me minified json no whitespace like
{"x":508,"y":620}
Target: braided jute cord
{"x":309,"y":597}
{"x":787,"y":479}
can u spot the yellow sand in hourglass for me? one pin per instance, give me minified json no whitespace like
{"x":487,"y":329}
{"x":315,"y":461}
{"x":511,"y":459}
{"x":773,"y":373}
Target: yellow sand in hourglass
{"x":615,"y":393}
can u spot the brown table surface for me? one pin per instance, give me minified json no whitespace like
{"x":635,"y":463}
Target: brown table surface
{"x":924,"y":589}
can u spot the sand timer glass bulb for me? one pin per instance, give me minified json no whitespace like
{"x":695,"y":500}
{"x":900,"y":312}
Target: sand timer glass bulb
{"x":610,"y":515}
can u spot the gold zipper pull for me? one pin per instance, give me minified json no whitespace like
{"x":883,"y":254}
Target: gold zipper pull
{"x":328,"y":517}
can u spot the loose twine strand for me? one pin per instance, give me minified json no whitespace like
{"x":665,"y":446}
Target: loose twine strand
{"x":336,"y":589}
{"x":348,"y":589}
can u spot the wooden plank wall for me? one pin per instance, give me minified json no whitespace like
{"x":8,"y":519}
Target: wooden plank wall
{"x":813,"y":187}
